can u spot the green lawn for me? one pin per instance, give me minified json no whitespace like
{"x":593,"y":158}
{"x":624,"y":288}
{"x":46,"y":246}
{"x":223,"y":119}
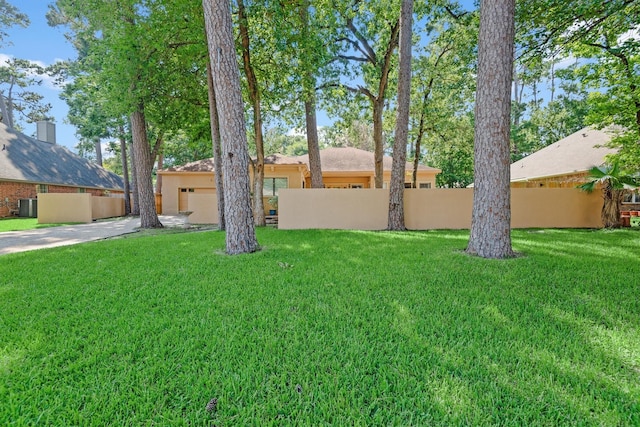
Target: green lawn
{"x":21,"y":224}
{"x":323,"y":328}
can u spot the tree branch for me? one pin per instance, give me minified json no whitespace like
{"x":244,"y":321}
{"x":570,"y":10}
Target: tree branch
{"x":364,"y":46}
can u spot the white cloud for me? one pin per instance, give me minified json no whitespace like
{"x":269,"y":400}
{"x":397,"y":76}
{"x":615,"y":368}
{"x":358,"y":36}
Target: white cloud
{"x":565,"y":62}
{"x":47,"y":81}
{"x":633,"y":34}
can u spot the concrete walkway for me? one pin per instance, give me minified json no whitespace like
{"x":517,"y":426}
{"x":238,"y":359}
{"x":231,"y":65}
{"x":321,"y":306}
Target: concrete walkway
{"x":20,"y":241}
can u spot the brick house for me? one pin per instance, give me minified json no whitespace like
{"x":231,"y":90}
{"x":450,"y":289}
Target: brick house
{"x":30,"y":166}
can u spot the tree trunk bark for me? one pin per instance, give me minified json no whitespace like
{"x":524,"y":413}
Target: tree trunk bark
{"x":611,"y":206}
{"x":396,"y":186}
{"x":378,"y":151}
{"x":125,"y":173}
{"x":98,"y":148}
{"x":309,"y":83}
{"x":217,"y":148}
{"x":254,"y":96}
{"x":144,"y":166}
{"x":313,"y":145}
{"x":135,"y":210}
{"x":240,"y":234}
{"x":159,"y":176}
{"x":491,"y":218}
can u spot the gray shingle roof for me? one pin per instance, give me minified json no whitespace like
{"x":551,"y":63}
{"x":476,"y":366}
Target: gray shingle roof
{"x":26,"y":159}
{"x":577,"y":152}
{"x":353,"y":159}
{"x":336,"y":159}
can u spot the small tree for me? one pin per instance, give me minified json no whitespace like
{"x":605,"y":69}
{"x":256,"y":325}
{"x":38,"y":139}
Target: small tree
{"x":613,"y":183}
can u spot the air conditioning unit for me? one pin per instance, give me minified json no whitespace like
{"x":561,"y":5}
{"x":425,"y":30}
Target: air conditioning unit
{"x":28,"y":208}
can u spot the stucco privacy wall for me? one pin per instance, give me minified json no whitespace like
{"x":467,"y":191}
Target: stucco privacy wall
{"x":434,"y":208}
{"x":77,"y":207}
{"x":59,"y":207}
{"x":107,"y":207}
{"x":204,"y":208}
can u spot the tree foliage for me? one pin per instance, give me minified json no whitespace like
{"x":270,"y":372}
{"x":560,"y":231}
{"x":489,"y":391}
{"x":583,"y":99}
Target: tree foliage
{"x":613,"y":181}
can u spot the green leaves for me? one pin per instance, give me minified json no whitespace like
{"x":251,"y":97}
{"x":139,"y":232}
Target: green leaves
{"x":611,"y":176}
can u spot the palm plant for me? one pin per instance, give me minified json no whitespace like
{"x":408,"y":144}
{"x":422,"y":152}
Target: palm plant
{"x":613,"y":182}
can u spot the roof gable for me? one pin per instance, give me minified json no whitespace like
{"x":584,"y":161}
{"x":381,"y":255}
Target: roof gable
{"x":334,"y":159}
{"x":576,"y":153}
{"x":26,"y":159}
{"x":341,"y":159}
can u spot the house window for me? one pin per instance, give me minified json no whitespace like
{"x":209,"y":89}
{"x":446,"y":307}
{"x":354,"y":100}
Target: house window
{"x":425,"y":185}
{"x":273,"y":185}
{"x":355,"y":185}
{"x":82,"y":190}
{"x":185,"y":190}
{"x":631,"y":197}
{"x":43,"y":188}
{"x":408,"y":185}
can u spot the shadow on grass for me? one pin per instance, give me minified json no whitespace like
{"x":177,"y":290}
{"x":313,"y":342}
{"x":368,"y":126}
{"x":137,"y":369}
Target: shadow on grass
{"x":324,"y":327}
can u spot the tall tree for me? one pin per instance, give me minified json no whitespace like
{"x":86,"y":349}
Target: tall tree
{"x":125,"y":171}
{"x":606,"y":35}
{"x":491,"y":218}
{"x":396,"y":187}
{"x":240,"y":231}
{"x":18,"y":103}
{"x":10,"y":16}
{"x":256,"y":107}
{"x":217,"y":147}
{"x":373,"y":35}
{"x":309,"y":96}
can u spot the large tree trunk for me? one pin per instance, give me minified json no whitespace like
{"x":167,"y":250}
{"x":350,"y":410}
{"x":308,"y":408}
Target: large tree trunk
{"x":611,"y":206}
{"x":125,"y":173}
{"x":491,"y":219}
{"x":313,"y":145}
{"x":308,"y":87}
{"x":396,"y":186}
{"x":217,"y":148}
{"x":378,"y":151}
{"x":135,"y":209}
{"x":240,"y":235}
{"x":254,"y":96}
{"x":144,"y":166}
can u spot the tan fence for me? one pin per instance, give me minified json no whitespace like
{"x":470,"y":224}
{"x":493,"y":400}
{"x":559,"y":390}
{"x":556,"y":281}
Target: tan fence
{"x":204,"y":207}
{"x":77,"y":207}
{"x":427,"y":209}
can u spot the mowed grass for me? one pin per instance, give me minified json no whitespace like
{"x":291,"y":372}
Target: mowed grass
{"x":21,"y":224}
{"x":323,"y":328}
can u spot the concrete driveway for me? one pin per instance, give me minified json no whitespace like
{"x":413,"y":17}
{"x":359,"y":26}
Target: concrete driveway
{"x":20,"y":241}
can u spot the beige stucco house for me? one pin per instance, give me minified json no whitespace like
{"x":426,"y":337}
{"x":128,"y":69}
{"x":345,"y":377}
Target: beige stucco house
{"x":190,"y":187}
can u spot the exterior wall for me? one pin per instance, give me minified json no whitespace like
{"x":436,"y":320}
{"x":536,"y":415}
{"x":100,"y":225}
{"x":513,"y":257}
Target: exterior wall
{"x":438,"y":208}
{"x":434,"y":209}
{"x":173,"y":182}
{"x":331,"y":208}
{"x":204,"y":207}
{"x":366,"y":180}
{"x":58,"y":208}
{"x":563,"y":181}
{"x":106,"y":207}
{"x":11,"y":192}
{"x":55,"y":208}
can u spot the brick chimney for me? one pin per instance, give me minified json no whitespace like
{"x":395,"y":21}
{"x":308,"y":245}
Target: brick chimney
{"x":46,"y":131}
